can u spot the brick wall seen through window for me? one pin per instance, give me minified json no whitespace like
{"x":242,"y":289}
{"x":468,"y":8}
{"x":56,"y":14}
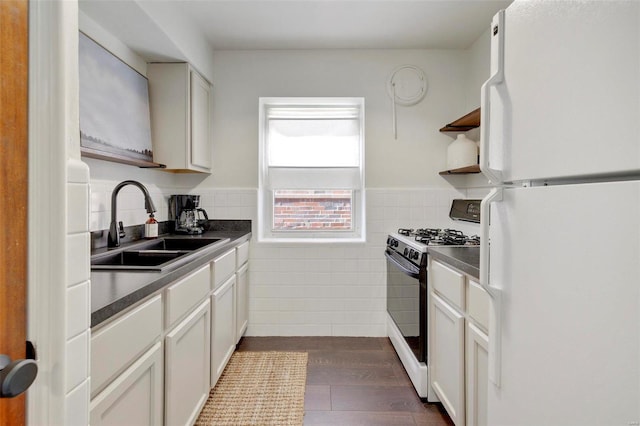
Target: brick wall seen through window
{"x":316,"y":210}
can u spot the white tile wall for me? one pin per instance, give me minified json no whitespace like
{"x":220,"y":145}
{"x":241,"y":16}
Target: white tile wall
{"x":130,"y":203}
{"x":305,"y":289}
{"x":77,"y":406}
{"x":77,"y":360}
{"x":78,"y":296}
{"x":333,"y":289}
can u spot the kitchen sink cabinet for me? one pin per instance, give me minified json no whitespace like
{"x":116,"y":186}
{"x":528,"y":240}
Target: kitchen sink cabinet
{"x":135,"y":397}
{"x":187,"y":364}
{"x":155,"y":362}
{"x":127,"y":359}
{"x":116,"y":345}
{"x":458,"y":343}
{"x":223,"y":337}
{"x":180,"y":117}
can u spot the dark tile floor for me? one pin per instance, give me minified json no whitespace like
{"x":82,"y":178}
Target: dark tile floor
{"x":354,"y":381}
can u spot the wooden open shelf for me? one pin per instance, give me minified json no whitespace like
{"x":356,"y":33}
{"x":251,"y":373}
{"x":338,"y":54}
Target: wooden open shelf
{"x":93,"y":153}
{"x":462,"y":171}
{"x":465,"y":123}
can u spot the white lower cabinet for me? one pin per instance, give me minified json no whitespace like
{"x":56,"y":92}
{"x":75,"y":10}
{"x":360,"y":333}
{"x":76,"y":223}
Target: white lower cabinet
{"x":155,"y":363}
{"x":135,"y":397}
{"x":133,"y":333}
{"x":458,"y":343}
{"x":187,"y":363}
{"x":447,"y":357}
{"x":242,"y":301}
{"x":223,"y":335}
{"x":477,"y":375}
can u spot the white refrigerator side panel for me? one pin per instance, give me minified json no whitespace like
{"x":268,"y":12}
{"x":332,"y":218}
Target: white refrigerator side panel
{"x":568,"y":261}
{"x":571,"y":94}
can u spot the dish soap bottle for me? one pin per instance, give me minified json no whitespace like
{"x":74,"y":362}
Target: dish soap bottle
{"x":151,"y":227}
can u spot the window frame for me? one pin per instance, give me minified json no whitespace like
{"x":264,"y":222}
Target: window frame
{"x":266,"y":233}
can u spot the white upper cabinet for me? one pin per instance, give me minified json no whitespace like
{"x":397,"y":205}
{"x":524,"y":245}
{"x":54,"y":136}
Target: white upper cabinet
{"x":180,"y":104}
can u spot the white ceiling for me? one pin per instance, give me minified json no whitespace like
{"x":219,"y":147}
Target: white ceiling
{"x":336,"y":24}
{"x":299,"y":24}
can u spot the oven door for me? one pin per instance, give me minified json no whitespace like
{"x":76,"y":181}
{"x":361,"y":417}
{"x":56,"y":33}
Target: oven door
{"x":407,"y":302}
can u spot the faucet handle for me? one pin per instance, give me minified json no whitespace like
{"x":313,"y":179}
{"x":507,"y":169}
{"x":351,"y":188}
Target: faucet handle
{"x":121,"y":230}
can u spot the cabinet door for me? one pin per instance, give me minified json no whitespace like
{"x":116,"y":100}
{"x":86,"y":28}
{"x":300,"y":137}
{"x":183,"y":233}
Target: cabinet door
{"x":200,"y":118}
{"x":187,"y":367}
{"x":223,"y":337}
{"x":242,"y":301}
{"x":135,"y":397}
{"x":477,"y":375}
{"x":446,"y":363}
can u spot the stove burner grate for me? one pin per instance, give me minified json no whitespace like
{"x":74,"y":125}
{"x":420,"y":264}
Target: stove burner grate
{"x":405,"y":231}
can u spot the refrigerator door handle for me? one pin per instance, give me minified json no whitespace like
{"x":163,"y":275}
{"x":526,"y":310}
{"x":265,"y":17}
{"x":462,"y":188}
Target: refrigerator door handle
{"x":497,"y":64}
{"x":495,"y":320}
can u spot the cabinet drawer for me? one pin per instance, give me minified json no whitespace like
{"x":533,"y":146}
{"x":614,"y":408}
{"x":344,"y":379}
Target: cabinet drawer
{"x":478,"y":304}
{"x":223,"y":267}
{"x":242,"y":254}
{"x":117,"y":345}
{"x":184,"y":294}
{"x":448,"y":283}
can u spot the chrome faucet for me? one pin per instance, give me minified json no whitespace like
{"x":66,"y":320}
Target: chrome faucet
{"x":116,"y":230}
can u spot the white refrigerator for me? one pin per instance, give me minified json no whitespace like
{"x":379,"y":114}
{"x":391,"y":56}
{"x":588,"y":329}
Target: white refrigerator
{"x":560,"y":252}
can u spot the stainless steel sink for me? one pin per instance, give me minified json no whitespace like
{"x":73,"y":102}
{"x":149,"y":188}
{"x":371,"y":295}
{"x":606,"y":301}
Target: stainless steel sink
{"x":157,"y":255}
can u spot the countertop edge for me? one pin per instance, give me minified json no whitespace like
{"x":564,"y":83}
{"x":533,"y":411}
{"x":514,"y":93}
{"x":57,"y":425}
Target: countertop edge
{"x":445,"y":254}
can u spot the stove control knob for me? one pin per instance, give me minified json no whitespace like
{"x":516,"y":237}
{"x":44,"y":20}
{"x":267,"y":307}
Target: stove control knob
{"x":410,"y":254}
{"x":416,"y":255}
{"x":394,"y":243}
{"x":405,"y":251}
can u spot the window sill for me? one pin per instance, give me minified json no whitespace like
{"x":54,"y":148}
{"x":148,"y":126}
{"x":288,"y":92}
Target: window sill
{"x":311,"y":240}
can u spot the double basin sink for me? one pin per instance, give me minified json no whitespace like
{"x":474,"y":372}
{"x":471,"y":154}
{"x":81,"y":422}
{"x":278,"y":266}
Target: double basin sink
{"x":157,"y":255}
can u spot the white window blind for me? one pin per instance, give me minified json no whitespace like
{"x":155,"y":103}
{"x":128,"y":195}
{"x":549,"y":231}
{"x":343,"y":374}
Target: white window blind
{"x":313,"y":149}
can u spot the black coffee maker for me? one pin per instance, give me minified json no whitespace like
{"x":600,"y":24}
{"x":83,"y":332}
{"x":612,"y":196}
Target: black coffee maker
{"x":186,"y":215}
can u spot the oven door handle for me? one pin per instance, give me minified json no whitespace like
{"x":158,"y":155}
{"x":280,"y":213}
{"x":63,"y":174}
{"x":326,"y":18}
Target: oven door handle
{"x":403,"y":268}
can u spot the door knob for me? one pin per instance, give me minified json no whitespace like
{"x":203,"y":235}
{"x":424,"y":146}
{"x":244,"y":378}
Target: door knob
{"x":16,"y":376}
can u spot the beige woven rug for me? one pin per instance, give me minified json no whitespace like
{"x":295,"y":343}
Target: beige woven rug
{"x":258,"y":388}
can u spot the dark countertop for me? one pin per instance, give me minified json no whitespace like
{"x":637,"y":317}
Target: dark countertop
{"x":465,"y":259}
{"x":114,"y":291}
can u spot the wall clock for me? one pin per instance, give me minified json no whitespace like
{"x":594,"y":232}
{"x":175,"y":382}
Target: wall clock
{"x":407,"y":85}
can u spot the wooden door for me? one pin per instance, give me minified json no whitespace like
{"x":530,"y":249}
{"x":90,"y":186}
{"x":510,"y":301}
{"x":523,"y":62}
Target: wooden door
{"x":13,"y":191}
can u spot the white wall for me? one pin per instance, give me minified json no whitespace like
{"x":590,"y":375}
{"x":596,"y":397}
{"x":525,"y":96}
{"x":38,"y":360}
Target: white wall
{"x":307,"y":289}
{"x":478,"y":68}
{"x":59,"y":286}
{"x":241,"y":77}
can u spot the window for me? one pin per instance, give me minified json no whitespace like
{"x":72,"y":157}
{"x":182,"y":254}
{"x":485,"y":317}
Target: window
{"x":311,"y":169}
